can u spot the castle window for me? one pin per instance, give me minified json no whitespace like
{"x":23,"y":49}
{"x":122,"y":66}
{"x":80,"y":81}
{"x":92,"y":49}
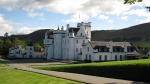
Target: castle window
{"x":77,"y":41}
{"x":120,"y":57}
{"x":115,"y":57}
{"x":105,"y":57}
{"x":89,"y":57}
{"x":88,"y":49}
{"x":100,"y":57}
{"x":85,"y":27}
{"x":86,"y":57}
{"x":83,"y":41}
{"x":81,"y":34}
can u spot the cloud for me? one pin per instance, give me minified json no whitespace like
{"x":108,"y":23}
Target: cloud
{"x":5,"y":26}
{"x":77,"y":17}
{"x":25,"y":30}
{"x":31,"y":14}
{"x":111,"y":21}
{"x":90,"y":7}
{"x":140,"y":13}
{"x":124,"y":18}
{"x":103,"y":17}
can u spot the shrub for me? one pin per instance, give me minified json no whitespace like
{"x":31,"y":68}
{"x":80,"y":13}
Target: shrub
{"x":87,"y":61}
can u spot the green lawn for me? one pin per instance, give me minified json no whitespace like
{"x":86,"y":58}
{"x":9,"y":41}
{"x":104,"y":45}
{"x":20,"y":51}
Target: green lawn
{"x":2,"y":64}
{"x":138,"y":70}
{"x":14,"y":76}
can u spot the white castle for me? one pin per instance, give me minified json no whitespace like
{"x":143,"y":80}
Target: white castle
{"x":75,"y":43}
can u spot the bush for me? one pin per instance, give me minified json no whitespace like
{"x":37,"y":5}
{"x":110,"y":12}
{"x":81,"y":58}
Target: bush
{"x":144,"y":57}
{"x":136,"y":70}
{"x":87,"y":61}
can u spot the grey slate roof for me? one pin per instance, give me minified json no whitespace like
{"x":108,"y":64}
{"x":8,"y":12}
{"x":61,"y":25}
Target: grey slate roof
{"x":143,"y":52}
{"x":106,"y":43}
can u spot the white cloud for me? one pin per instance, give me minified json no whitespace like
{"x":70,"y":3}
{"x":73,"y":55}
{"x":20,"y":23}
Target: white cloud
{"x":77,"y":17}
{"x":145,"y":20}
{"x":5,"y":26}
{"x":103,"y":17}
{"x":139,"y":12}
{"x":124,"y":18}
{"x":31,"y":14}
{"x":25,"y":30}
{"x":89,"y":7}
{"x":111,"y":21}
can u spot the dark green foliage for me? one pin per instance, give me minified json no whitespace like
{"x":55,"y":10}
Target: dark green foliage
{"x":138,"y":35}
{"x":137,"y":70}
{"x":36,"y":36}
{"x":87,"y":61}
{"x":131,"y":1}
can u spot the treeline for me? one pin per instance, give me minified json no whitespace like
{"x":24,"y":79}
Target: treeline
{"x":8,"y":42}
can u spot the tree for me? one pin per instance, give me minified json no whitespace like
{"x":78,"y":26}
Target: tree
{"x":6,"y":34}
{"x":37,"y":47}
{"x":6,"y":46}
{"x":131,"y":1}
{"x":1,"y":46}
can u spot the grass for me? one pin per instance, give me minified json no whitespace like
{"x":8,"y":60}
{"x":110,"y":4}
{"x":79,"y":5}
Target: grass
{"x":2,"y":64}
{"x":137,"y":70}
{"x":14,"y":76}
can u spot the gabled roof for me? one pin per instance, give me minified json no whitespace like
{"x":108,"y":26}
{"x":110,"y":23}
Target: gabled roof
{"x":143,"y":52}
{"x":73,"y":30}
{"x":105,"y":43}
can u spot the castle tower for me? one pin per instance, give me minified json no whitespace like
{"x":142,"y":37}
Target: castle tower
{"x":30,"y":50}
{"x":86,"y":27}
{"x":58,"y":34}
{"x":49,"y":45}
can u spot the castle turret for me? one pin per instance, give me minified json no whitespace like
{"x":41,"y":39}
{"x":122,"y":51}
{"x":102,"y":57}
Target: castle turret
{"x":30,"y":50}
{"x":58,"y":34}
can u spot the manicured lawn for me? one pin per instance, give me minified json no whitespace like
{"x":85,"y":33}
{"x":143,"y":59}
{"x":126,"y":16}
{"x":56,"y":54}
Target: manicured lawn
{"x":137,"y":70}
{"x":2,"y":64}
{"x":14,"y":76}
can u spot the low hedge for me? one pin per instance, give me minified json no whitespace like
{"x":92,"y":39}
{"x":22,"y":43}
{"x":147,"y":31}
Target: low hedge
{"x":136,"y":71}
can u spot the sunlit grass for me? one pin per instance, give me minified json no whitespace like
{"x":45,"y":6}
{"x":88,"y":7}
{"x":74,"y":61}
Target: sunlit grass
{"x":14,"y":76}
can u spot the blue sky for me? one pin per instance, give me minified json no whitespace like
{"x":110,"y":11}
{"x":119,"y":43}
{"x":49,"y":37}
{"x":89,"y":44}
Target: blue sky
{"x":26,"y":16}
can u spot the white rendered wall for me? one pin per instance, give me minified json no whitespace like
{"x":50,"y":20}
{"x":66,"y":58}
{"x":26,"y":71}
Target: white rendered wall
{"x":50,"y":50}
{"x":58,"y":34}
{"x":30,"y":51}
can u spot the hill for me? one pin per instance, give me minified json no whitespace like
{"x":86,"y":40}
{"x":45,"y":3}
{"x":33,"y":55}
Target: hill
{"x":36,"y":36}
{"x":139,"y":35}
